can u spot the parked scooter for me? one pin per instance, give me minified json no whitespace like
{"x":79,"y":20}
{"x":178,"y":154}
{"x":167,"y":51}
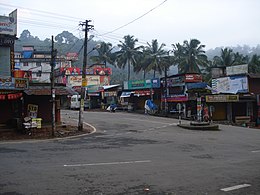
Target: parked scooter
{"x":28,"y":125}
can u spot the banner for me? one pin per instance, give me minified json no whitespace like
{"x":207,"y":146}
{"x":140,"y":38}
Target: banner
{"x":232,"y":84}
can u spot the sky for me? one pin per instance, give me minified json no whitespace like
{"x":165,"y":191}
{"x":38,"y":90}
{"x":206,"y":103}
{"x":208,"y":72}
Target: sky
{"x":216,"y":23}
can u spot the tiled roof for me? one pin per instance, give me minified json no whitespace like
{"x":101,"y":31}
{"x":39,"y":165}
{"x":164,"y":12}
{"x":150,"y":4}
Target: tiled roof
{"x":46,"y":90}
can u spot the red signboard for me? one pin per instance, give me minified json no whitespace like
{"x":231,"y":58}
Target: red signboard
{"x":193,"y":78}
{"x":102,"y":71}
{"x":23,"y":74}
{"x":176,"y":98}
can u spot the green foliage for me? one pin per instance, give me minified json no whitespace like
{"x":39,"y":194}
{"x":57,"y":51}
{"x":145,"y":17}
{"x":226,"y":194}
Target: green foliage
{"x":128,"y":54}
{"x":254,"y":64}
{"x":190,"y":56}
{"x":104,"y":54}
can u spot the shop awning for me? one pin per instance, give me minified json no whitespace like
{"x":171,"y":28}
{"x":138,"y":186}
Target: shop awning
{"x":46,"y":90}
{"x":126,"y":94}
{"x":110,"y":86}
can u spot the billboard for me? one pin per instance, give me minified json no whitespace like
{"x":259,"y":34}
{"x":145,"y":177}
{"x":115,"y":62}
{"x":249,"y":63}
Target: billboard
{"x":14,"y":83}
{"x":239,"y":69}
{"x":8,"y":25}
{"x":142,"y":84}
{"x":232,"y":84}
{"x":77,"y":80}
{"x":102,"y":71}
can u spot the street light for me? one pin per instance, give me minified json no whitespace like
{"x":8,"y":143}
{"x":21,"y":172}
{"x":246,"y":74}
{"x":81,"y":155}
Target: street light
{"x":84,"y":84}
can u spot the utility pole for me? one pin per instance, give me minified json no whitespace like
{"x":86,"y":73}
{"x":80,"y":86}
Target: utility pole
{"x":53,"y":56}
{"x":84,"y":80}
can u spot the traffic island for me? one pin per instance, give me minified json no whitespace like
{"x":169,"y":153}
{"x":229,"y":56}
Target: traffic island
{"x":201,"y":126}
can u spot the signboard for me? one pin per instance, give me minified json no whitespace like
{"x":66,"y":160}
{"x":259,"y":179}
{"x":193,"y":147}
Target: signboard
{"x":77,"y":80}
{"x":14,"y":83}
{"x":104,"y":80}
{"x":72,"y":56}
{"x":175,"y":98}
{"x":32,"y":110}
{"x":102,"y":71}
{"x":239,"y":69}
{"x":232,"y":84}
{"x":142,"y":84}
{"x":222,"y":98}
{"x":110,"y":94}
{"x":21,"y":83}
{"x":191,"y":78}
{"x":8,"y":25}
{"x":23,"y":74}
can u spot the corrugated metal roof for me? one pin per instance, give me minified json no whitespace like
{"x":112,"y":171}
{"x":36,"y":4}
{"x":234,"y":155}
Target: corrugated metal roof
{"x":46,"y":90}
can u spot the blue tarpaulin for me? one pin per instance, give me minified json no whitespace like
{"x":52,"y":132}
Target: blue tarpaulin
{"x":27,"y":54}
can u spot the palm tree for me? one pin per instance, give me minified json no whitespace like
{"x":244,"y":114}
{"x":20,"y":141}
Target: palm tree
{"x":240,"y":59}
{"x":226,"y":58}
{"x":190,"y":56}
{"x":128,"y":53}
{"x":254,"y":64}
{"x":142,"y":64}
{"x":104,"y":54}
{"x":153,"y":56}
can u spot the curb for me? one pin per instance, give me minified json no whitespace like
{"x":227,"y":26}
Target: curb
{"x":50,"y":139}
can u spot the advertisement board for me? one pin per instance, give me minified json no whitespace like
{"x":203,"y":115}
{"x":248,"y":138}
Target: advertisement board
{"x":102,"y":71}
{"x":232,"y":84}
{"x":14,"y":83}
{"x":142,"y":84}
{"x":239,"y":69}
{"x":222,"y":98}
{"x":77,"y":80}
{"x":8,"y":25}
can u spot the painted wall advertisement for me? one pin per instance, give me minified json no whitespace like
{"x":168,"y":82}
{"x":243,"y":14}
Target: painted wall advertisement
{"x":232,"y":84}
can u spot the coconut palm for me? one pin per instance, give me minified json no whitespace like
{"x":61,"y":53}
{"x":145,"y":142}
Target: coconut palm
{"x":190,"y":56}
{"x":254,"y":64}
{"x":153,"y":57}
{"x":128,"y":53}
{"x":226,"y":58}
{"x":104,"y":54}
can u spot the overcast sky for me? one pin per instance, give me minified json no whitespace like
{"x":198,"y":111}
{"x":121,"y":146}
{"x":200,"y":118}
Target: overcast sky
{"x":213,"y":22}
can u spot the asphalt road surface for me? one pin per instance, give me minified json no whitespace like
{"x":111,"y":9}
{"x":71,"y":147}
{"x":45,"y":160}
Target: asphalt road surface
{"x":134,"y":154}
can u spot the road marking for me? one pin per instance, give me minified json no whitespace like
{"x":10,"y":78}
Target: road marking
{"x":145,"y":120}
{"x":108,"y":163}
{"x":235,"y":187}
{"x":255,"y":151}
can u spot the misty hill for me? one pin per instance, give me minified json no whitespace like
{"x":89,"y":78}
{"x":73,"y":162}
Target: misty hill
{"x":67,"y":42}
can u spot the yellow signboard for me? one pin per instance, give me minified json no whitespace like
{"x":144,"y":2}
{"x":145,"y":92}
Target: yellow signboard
{"x":84,"y":82}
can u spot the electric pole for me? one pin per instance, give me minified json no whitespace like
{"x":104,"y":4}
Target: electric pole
{"x":84,"y":80}
{"x":53,"y":56}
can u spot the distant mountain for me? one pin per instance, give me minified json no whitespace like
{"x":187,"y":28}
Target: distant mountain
{"x":67,"y":42}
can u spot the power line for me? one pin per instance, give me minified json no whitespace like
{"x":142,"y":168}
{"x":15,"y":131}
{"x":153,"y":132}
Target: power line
{"x":53,"y":15}
{"x":135,"y":19}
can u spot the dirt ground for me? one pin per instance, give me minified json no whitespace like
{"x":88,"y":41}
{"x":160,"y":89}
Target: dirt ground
{"x":43,"y":133}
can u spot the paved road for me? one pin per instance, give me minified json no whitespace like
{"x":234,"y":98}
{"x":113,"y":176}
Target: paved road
{"x":135,"y":154}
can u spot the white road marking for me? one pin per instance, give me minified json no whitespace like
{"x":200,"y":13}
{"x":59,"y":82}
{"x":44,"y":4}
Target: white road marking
{"x":255,"y":151}
{"x":108,"y":163}
{"x":235,"y":187}
{"x":144,"y":120}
